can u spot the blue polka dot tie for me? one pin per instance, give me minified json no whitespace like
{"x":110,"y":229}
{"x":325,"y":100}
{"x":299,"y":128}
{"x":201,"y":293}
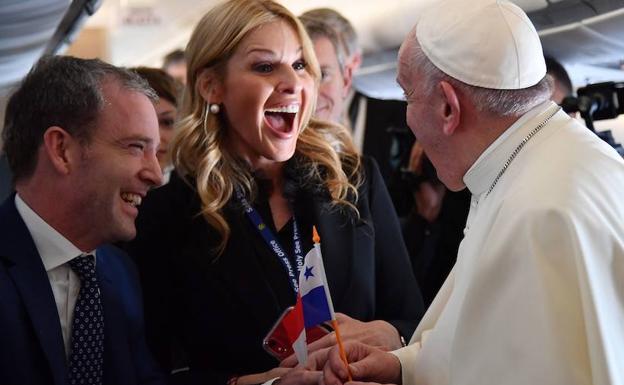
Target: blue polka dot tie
{"x":86,"y":359}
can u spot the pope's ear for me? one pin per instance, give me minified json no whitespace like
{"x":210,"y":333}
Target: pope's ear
{"x":59,"y":147}
{"x":210,"y":87}
{"x":451,"y":108}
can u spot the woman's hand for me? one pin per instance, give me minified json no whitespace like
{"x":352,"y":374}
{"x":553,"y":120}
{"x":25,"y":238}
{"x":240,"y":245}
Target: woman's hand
{"x":300,"y":376}
{"x":377,"y":333}
{"x":260,"y":378}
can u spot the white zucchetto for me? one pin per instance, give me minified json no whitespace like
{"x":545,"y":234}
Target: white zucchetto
{"x":484,"y":43}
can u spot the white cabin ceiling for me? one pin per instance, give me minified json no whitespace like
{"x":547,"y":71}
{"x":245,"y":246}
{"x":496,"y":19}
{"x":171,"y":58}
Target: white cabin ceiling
{"x":141,"y":32}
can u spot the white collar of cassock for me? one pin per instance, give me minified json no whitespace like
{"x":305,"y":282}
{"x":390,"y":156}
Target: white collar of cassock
{"x":53,"y":247}
{"x":483,"y":172}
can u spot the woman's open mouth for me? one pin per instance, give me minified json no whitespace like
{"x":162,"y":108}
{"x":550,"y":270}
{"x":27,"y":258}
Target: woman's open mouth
{"x":281,"y":120}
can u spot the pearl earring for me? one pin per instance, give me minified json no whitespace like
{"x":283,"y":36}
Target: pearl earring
{"x":214,"y":108}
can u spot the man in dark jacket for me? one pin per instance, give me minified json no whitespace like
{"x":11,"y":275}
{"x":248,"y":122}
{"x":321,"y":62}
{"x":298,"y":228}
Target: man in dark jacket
{"x":80,"y":138}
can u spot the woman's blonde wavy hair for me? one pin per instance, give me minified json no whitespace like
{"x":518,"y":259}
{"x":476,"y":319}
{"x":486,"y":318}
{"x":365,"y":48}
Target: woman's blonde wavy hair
{"x":199,"y":150}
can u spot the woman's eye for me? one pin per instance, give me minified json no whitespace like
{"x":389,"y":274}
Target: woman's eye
{"x":299,"y":65}
{"x":263,"y":68}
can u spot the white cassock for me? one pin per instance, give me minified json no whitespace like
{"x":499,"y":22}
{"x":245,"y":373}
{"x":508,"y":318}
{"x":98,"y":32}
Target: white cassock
{"x":537,"y":294}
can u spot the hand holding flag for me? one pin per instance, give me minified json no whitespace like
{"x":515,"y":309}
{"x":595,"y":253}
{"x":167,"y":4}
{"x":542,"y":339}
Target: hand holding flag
{"x":315,"y":300}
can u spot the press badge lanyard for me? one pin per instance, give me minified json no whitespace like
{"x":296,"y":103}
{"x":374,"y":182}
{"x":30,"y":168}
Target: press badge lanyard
{"x":272,"y":242}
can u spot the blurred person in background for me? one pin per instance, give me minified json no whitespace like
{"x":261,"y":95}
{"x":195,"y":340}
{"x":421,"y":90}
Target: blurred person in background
{"x":174,"y":64}
{"x":433,"y":220}
{"x":338,"y":101}
{"x":326,"y":28}
{"x":376,"y":125}
{"x":563,"y":85}
{"x":345,"y":32}
{"x":168,"y":91}
{"x":247,"y":144}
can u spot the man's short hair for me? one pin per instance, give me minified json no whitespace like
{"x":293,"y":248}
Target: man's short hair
{"x":340,"y":25}
{"x":59,"y":91}
{"x":173,"y":57}
{"x":318,"y":28}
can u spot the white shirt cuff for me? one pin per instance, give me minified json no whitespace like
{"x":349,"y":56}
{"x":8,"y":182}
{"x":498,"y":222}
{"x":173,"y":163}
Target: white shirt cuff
{"x":407,"y":357}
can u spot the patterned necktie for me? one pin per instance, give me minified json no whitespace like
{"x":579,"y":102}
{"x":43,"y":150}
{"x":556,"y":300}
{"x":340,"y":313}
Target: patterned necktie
{"x":86,"y":360}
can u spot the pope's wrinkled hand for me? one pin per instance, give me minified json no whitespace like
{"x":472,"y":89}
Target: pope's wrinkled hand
{"x":380,"y":334}
{"x":366,"y":363}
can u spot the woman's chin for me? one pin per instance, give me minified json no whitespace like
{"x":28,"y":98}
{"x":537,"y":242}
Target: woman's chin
{"x":284,"y":155}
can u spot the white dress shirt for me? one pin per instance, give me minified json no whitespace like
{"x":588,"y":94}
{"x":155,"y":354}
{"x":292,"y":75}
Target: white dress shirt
{"x":55,"y":252}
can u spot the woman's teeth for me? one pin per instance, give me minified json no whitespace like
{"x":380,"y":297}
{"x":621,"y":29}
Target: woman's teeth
{"x":291,"y":109}
{"x":133,"y":199}
{"x":281,"y":118}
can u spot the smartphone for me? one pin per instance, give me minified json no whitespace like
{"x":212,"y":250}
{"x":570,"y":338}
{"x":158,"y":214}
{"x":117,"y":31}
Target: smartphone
{"x":276,"y":342}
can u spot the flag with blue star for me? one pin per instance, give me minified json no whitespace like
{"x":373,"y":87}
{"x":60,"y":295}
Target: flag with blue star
{"x":314,"y":291}
{"x":308,"y":272}
{"x":314,"y":305}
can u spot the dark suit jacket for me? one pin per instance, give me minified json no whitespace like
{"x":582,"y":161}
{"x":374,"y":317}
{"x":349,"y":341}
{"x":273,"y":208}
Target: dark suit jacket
{"x":31,"y":342}
{"x":222,"y":308}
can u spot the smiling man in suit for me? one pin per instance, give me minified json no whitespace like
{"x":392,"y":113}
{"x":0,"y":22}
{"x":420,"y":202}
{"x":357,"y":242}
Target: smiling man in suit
{"x":80,"y":137}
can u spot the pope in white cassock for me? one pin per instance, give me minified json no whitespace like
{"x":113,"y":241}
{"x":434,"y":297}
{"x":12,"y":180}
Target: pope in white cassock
{"x":537,"y":294}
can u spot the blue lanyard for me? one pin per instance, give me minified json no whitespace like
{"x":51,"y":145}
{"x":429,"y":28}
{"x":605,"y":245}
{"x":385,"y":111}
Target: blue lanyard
{"x":273,"y":244}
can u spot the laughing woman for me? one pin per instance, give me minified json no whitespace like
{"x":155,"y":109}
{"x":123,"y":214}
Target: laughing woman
{"x":246,"y":142}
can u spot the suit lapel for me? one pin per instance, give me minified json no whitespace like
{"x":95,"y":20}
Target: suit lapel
{"x":108,"y":291}
{"x":113,"y":314}
{"x":31,"y":280}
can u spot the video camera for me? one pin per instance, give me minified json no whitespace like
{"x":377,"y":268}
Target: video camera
{"x":403,"y":141}
{"x":597,"y":102}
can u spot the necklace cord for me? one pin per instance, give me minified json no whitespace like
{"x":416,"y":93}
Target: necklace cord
{"x":519,"y":148}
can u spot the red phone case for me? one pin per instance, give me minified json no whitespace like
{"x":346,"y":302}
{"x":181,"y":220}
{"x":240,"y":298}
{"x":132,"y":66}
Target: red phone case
{"x":276,"y":341}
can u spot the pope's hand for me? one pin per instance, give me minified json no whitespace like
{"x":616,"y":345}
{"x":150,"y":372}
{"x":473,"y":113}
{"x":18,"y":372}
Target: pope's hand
{"x":377,"y":333}
{"x":366,"y":363}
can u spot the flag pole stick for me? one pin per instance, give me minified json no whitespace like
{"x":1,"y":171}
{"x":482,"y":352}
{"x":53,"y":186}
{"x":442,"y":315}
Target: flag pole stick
{"x":343,"y":355}
{"x":316,"y":239}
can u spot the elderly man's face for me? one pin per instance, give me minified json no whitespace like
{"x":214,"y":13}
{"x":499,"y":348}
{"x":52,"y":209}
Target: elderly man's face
{"x":423,"y":116}
{"x":119,"y":165}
